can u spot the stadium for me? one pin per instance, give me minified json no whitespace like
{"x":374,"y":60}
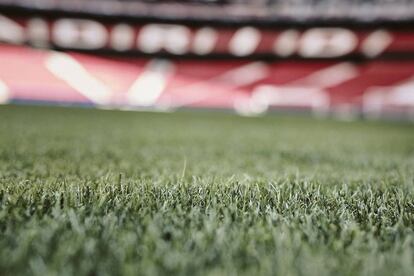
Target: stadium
{"x":206,"y":137}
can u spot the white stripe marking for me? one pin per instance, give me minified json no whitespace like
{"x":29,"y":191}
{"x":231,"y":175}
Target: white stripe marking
{"x":240,"y":76}
{"x":244,"y":75}
{"x":328,"y":77}
{"x":149,"y":86}
{"x":4,"y":93}
{"x":309,"y":90}
{"x":376,"y":99}
{"x":404,"y":93}
{"x":68,"y":69}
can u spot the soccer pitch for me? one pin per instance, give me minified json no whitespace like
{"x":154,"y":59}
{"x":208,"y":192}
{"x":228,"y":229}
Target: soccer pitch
{"x":89,"y":192}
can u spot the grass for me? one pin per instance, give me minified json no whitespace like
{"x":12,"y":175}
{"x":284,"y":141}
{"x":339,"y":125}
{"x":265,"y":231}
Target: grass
{"x":87,"y":192}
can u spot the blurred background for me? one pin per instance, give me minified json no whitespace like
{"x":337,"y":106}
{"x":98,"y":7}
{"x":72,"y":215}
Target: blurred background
{"x":347,"y":59}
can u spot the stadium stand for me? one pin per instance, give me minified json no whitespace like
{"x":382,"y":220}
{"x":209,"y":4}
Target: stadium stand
{"x":248,"y":56}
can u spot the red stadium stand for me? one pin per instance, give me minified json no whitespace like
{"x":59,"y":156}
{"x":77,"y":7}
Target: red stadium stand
{"x":257,"y":57}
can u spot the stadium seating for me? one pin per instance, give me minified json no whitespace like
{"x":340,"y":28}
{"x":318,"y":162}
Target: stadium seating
{"x":240,"y":55}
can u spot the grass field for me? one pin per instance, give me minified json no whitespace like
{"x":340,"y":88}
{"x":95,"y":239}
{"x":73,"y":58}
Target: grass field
{"x":87,"y":192}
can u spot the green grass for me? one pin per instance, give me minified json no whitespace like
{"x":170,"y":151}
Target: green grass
{"x":87,"y":192}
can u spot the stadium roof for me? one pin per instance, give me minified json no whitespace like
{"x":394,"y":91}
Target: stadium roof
{"x":232,"y":10}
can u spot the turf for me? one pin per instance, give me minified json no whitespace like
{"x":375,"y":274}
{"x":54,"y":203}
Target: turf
{"x":87,"y":192}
